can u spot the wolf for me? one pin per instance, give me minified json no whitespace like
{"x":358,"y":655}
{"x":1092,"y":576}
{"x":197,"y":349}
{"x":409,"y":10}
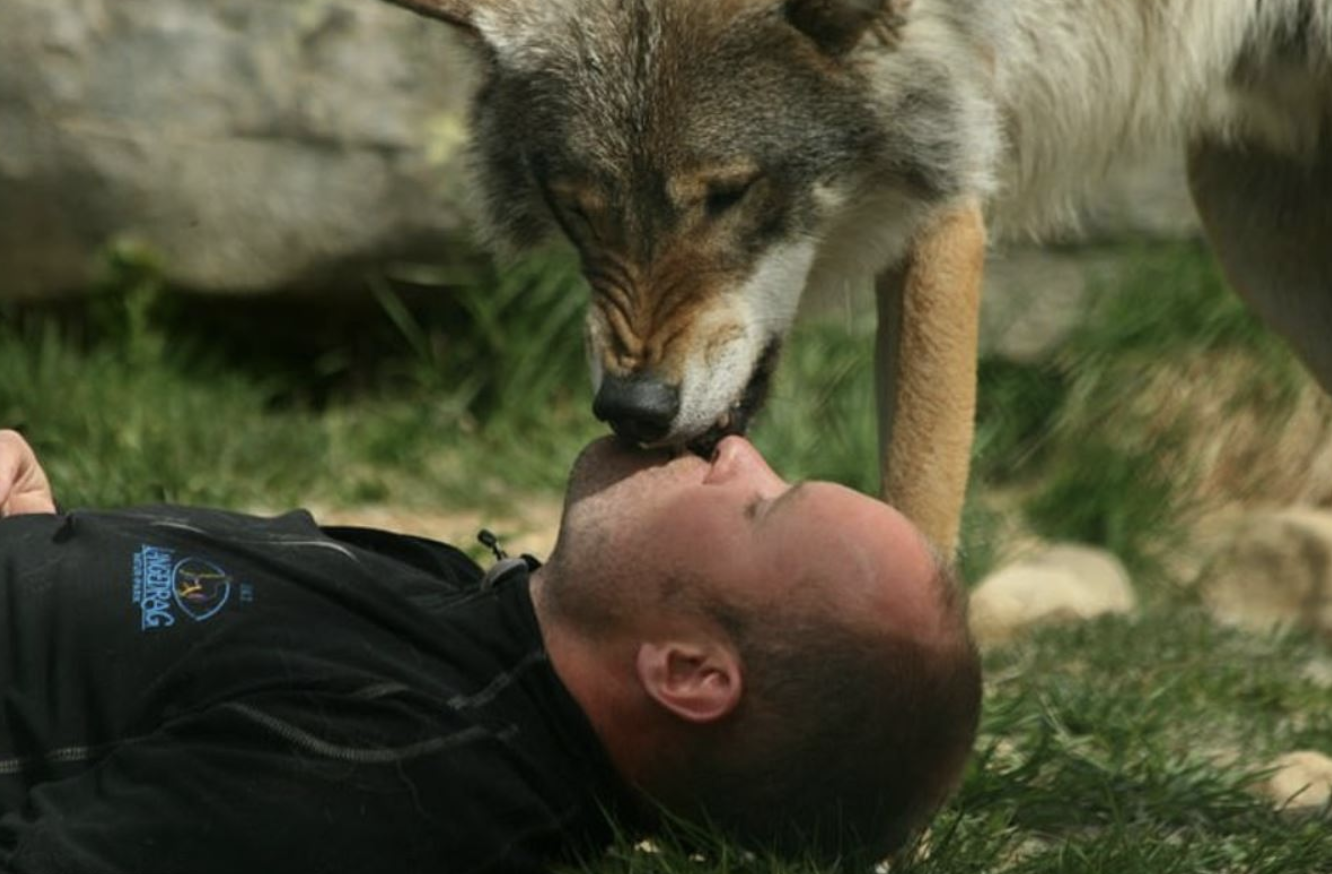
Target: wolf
{"x":711,"y":159}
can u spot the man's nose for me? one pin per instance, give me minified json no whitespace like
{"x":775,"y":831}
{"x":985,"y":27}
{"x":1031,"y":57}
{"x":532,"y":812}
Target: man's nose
{"x":639,"y":407}
{"x":737,"y":459}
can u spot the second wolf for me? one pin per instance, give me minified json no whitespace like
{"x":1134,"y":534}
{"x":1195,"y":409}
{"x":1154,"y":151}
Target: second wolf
{"x":710,"y":159}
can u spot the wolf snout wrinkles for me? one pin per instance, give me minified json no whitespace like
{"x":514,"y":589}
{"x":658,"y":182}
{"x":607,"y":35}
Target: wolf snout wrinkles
{"x":638,"y":407}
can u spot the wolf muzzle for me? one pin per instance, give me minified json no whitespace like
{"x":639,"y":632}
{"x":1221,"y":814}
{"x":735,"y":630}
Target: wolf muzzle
{"x":639,"y":408}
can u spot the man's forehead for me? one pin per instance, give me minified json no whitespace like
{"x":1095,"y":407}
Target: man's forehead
{"x":790,"y":498}
{"x":834,"y":519}
{"x":819,"y":497}
{"x":816,"y":526}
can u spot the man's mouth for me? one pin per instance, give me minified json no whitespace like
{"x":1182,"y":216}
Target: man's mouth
{"x":737,"y":418}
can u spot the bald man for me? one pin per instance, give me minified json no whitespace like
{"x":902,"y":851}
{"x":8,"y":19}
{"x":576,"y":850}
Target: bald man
{"x":195,"y":690}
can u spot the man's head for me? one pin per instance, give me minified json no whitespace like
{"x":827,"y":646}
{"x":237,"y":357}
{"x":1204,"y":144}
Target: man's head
{"x":790,"y":662}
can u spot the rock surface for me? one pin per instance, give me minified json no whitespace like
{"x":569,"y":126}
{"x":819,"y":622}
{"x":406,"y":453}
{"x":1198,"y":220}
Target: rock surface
{"x":1301,"y":783}
{"x":251,"y":145}
{"x":1275,"y":572}
{"x":1062,"y":583}
{"x":1319,"y":672}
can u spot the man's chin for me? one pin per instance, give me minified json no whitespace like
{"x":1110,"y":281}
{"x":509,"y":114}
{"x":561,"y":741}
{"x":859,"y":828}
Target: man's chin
{"x":610,"y":461}
{"x":607,"y":461}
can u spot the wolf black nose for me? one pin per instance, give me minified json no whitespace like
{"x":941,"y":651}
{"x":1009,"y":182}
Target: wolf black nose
{"x":638,"y":407}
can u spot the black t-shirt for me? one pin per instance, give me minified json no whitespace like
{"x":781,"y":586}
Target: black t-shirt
{"x":197,"y":691}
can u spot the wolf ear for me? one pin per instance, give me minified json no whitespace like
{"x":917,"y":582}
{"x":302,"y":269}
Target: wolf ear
{"x":459,"y":13}
{"x":838,"y":26}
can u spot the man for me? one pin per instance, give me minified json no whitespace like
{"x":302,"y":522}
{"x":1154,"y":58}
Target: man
{"x":192,"y":690}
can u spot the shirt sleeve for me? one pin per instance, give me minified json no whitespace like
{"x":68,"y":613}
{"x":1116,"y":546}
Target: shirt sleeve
{"x":243,"y":788}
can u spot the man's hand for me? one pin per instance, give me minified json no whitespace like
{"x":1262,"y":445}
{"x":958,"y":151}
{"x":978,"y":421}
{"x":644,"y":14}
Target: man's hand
{"x":23,"y":484}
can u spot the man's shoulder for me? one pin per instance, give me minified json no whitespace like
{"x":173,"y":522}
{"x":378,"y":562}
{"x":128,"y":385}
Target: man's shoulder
{"x":263,"y":532}
{"x":429,"y":556}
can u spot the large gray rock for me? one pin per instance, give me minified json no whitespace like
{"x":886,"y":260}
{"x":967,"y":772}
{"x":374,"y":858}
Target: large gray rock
{"x":1275,"y":572}
{"x":252,"y":144}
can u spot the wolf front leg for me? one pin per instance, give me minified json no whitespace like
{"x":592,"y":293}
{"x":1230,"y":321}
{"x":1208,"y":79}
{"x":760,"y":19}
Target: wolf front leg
{"x":929,"y":324}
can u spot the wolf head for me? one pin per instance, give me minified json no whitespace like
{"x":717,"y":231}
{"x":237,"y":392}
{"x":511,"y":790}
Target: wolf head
{"x":705,"y":157}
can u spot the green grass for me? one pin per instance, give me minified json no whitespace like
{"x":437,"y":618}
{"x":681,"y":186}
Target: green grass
{"x":1125,"y":746}
{"x":145,"y":397}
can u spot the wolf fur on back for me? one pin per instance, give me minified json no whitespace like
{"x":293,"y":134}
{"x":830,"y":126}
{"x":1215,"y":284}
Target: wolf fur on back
{"x":1062,"y":90}
{"x":1085,"y":83}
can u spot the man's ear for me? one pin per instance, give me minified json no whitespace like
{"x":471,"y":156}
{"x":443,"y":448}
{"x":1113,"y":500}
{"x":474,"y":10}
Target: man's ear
{"x":838,"y":26}
{"x":459,"y":13}
{"x":698,"y":682}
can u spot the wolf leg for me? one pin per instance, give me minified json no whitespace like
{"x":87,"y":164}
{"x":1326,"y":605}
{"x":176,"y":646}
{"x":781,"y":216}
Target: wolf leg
{"x":929,"y":314}
{"x":1269,"y":219}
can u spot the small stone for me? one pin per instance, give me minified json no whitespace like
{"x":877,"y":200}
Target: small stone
{"x":1319,"y":672}
{"x":1063,"y":583}
{"x":1301,"y":784}
{"x":1276,"y":572}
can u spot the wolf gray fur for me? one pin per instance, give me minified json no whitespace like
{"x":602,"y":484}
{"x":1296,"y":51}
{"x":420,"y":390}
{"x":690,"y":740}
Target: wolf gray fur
{"x":710,"y":159}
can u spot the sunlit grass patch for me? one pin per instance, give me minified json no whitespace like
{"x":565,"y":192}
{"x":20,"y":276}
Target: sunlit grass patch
{"x":115,"y":430}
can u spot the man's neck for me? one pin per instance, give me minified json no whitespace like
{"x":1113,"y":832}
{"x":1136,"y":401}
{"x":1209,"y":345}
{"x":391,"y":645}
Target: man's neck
{"x":601,"y":677}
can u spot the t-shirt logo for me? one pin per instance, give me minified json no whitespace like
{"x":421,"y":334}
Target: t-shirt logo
{"x":165,"y":588}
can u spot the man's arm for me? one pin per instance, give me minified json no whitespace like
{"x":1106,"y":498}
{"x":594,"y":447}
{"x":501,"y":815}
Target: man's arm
{"x":24,"y":487}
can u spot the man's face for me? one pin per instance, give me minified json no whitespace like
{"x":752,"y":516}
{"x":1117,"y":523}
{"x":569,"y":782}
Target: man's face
{"x":733,"y":524}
